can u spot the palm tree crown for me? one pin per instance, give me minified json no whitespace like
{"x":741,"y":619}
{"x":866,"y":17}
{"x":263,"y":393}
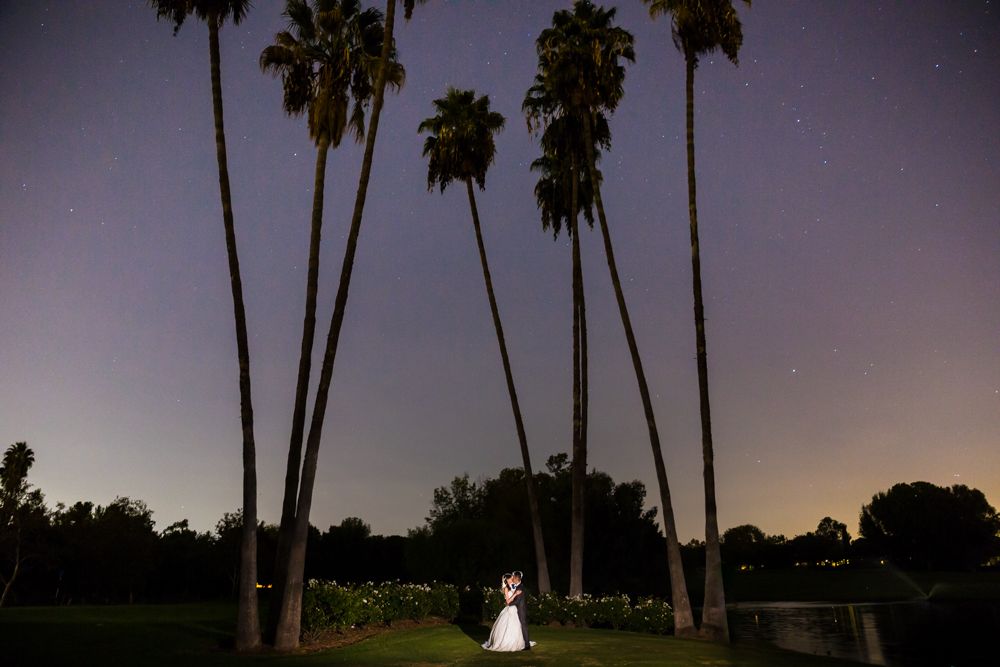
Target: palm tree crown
{"x":580,"y":71}
{"x":700,"y":27}
{"x":461,"y":145}
{"x":328,"y":55}
{"x":561,"y":140}
{"x":17,"y":459}
{"x":218,"y":10}
{"x":580,"y":64}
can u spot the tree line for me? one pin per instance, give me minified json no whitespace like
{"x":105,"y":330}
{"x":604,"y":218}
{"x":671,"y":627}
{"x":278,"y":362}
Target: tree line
{"x":87,"y":553}
{"x":336,"y":60}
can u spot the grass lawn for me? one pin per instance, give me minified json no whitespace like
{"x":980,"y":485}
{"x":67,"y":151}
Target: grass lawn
{"x":192,"y":635}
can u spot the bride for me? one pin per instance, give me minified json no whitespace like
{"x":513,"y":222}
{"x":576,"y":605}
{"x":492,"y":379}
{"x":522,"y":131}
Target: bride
{"x":506,"y":633}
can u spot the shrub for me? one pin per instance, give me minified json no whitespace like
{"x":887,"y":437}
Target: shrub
{"x":651,"y":615}
{"x":613,"y":611}
{"x":327,"y":605}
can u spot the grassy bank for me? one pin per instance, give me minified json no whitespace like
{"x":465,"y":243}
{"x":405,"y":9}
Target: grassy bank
{"x":195,"y":635}
{"x":875,"y":585}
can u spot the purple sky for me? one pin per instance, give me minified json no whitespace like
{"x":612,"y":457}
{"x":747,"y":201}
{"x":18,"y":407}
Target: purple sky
{"x":850,"y":213}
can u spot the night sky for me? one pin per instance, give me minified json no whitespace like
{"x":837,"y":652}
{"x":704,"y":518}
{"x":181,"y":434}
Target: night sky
{"x":849,"y":194}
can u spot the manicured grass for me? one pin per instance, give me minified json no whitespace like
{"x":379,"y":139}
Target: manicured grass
{"x":193,"y":635}
{"x":872,"y":585}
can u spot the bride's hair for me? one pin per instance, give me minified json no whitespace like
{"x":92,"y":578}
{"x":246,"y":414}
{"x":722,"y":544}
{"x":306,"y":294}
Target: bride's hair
{"x":506,"y":578}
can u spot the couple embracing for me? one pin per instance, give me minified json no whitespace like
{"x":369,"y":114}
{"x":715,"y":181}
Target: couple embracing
{"x":510,"y":630}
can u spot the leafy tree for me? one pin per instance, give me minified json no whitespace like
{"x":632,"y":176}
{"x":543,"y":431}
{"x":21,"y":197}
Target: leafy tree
{"x":215,"y":13}
{"x":124,"y":529}
{"x":22,"y":509}
{"x":462,"y":499}
{"x":749,"y":545}
{"x":834,"y":532}
{"x":327,"y":58}
{"x":350,"y":553}
{"x":290,"y":603}
{"x":929,"y":527}
{"x":77,"y":552}
{"x":475,"y":530}
{"x":186,"y":567}
{"x":461,"y":148}
{"x":743,"y":544}
{"x":104,"y":554}
{"x":228,"y":532}
{"x":700,"y":27}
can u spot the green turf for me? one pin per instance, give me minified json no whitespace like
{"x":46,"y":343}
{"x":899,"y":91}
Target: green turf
{"x":194,"y":635}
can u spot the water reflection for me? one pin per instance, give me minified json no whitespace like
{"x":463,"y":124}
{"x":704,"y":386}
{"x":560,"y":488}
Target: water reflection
{"x":901,"y":634}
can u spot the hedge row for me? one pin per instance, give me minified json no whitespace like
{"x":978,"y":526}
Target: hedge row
{"x":327,"y":605}
{"x":613,"y":611}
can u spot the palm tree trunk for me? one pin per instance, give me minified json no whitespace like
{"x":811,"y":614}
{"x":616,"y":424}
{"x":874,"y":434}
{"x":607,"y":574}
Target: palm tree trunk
{"x":714,"y":624}
{"x":287,"y":526}
{"x":290,"y":614}
{"x":544,"y":585}
{"x":683,"y":616}
{"x":247,"y":621}
{"x":578,"y":472}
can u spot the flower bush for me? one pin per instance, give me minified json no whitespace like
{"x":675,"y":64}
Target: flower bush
{"x":651,"y":615}
{"x":327,"y":605}
{"x":613,"y":611}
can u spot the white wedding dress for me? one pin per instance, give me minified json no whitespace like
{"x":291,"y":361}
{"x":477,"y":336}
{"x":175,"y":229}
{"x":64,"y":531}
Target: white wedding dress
{"x":506,"y":633}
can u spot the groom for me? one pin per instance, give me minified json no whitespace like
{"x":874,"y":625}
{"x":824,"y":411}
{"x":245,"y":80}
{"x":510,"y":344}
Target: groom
{"x":522,"y":606}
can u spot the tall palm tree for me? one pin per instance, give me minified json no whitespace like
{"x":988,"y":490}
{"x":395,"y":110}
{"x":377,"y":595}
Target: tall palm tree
{"x":700,"y":27}
{"x":215,"y":13}
{"x":328,"y":56}
{"x":562,"y":196}
{"x":290,"y":604}
{"x":583,"y":56}
{"x":461,"y":148}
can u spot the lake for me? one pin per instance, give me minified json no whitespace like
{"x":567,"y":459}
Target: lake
{"x":895,"y":634}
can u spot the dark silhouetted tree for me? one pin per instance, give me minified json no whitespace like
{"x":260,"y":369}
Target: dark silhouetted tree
{"x":560,"y":195}
{"x":476,"y":530}
{"x":700,"y":27}
{"x":287,"y":633}
{"x":929,"y":527}
{"x":581,"y":64}
{"x":124,"y":529}
{"x":461,"y":148}
{"x":328,"y":59}
{"x":743,"y":544}
{"x":22,"y":510}
{"x":215,"y":13}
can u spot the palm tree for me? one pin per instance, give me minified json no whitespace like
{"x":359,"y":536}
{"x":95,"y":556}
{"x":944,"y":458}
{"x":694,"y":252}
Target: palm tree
{"x":215,"y":13}
{"x":562,"y":196}
{"x":461,"y":148}
{"x":700,"y":27}
{"x":583,"y":57}
{"x":328,"y":56}
{"x":290,"y":604}
{"x":17,"y":460}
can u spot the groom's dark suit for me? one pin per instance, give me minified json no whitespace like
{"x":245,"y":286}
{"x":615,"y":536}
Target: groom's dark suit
{"x":521,"y":603}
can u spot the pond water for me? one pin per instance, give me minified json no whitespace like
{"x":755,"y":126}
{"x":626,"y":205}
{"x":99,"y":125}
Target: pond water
{"x":897,"y":634}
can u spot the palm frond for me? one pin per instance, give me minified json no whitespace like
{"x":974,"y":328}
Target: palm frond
{"x":328,"y":59}
{"x":461,"y":146}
